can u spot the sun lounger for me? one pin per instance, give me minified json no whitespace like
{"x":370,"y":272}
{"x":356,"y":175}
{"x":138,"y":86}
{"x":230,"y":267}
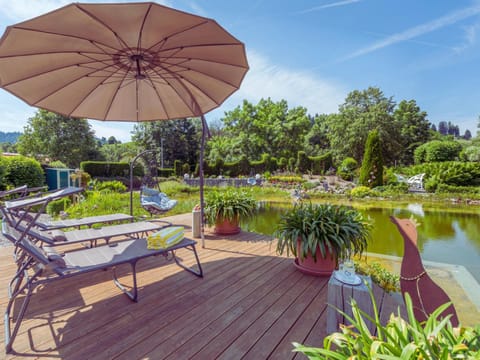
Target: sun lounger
{"x":39,"y":266}
{"x":87,"y":221}
{"x":106,"y":233}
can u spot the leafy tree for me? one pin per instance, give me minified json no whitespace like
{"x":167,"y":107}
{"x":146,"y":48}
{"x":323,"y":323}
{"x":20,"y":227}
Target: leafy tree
{"x":59,"y":138}
{"x":453,"y":129}
{"x":181,"y":139}
{"x":267,"y":127}
{"x":362,"y":112}
{"x":433,"y":128}
{"x":413,"y":127}
{"x":371,"y":172}
{"x":316,"y":140}
{"x":443,"y":127}
{"x":467,"y":135}
{"x":223,"y":147}
{"x":8,"y":147}
{"x":111,"y":140}
{"x":119,"y":152}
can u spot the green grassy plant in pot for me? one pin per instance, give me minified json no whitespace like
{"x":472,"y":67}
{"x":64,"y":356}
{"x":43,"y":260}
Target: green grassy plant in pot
{"x":224,"y":208}
{"x":319,"y":235}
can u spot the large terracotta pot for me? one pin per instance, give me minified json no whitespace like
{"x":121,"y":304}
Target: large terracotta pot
{"x":227,"y":227}
{"x":322,"y":267}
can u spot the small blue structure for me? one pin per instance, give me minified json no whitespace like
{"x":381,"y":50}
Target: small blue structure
{"x":59,"y":178}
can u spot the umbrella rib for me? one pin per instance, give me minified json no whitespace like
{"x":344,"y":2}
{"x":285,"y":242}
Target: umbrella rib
{"x":64,"y":86}
{"x":140,"y":33}
{"x":188,"y":91}
{"x":122,"y":42}
{"x":164,"y":40}
{"x":158,"y":95}
{"x":59,"y":68}
{"x":67,"y":36}
{"x":186,"y":68}
{"x":113,"y":97}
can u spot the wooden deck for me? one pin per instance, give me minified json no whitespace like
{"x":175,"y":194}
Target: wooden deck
{"x":251,"y":304}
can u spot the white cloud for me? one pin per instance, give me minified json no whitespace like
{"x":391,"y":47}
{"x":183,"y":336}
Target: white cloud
{"x":419,"y":30}
{"x":470,"y":38}
{"x":298,"y":87}
{"x":326,"y":6}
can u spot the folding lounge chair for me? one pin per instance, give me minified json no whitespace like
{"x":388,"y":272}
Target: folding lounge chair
{"x":45,"y":222}
{"x":106,"y":233}
{"x":41,"y":266}
{"x":86,"y":221}
{"x":18,"y":212}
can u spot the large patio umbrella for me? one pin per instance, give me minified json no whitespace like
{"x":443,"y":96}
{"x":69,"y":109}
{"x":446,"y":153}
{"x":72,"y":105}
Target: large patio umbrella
{"x":122,"y":62}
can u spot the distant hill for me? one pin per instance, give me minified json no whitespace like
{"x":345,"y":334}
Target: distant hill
{"x":10,"y":137}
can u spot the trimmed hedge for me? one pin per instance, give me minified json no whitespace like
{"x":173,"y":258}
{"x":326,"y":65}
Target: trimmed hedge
{"x":436,"y":151}
{"x":371,"y":172}
{"x":20,"y":170}
{"x":110,"y":169}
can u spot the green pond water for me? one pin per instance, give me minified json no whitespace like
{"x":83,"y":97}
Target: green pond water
{"x":443,"y":236}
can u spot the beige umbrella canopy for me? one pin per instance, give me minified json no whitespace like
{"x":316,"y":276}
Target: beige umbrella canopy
{"x":122,"y":62}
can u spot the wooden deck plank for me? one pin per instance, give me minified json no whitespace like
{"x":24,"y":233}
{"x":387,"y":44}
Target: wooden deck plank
{"x":251,"y":303}
{"x":212,"y":299}
{"x":210,"y":344}
{"x":106,"y":323}
{"x":233,"y":302}
{"x":274,"y":335}
{"x":240,"y":346}
{"x":303,"y":326}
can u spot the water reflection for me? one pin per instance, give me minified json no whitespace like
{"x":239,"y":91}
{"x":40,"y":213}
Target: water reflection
{"x":448,"y":237}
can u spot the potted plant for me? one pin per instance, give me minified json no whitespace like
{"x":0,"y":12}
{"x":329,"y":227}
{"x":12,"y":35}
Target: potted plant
{"x":224,"y":209}
{"x":319,"y":235}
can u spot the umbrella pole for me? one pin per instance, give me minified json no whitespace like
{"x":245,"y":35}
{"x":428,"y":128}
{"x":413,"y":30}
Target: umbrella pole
{"x":202,"y":149}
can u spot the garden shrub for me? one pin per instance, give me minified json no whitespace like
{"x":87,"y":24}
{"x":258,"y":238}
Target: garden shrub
{"x":21,"y":170}
{"x":347,"y":168}
{"x":56,"y":206}
{"x":243,"y":166}
{"x":282,"y":164}
{"x":319,"y":165}
{"x":371,"y":172}
{"x":454,"y":173}
{"x":286,"y":180}
{"x":177,"y":168}
{"x":450,"y":189}
{"x":186,"y":168}
{"x":437,"y":151}
{"x":382,"y":277}
{"x":291,"y":164}
{"x":471,"y":153}
{"x":361,"y":191}
{"x":303,"y":162}
{"x":258,"y":166}
{"x":57,"y":164}
{"x":113,"y":186}
{"x":109,"y":169}
{"x":166,"y":172}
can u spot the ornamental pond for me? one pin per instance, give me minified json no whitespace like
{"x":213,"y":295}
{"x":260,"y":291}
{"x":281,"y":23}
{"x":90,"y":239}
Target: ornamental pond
{"x":451,"y":237}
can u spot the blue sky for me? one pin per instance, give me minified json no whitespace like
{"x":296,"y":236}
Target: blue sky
{"x":313,"y":53}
